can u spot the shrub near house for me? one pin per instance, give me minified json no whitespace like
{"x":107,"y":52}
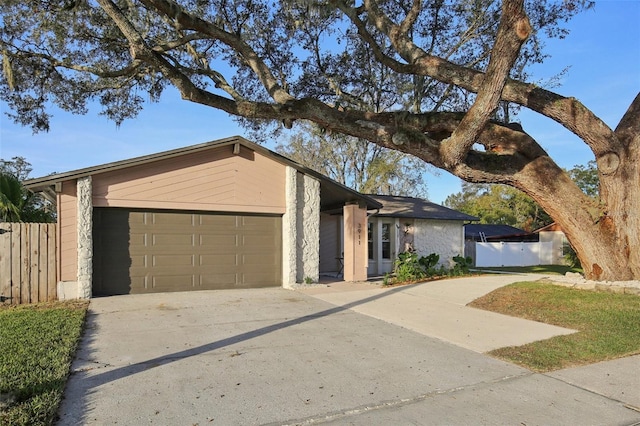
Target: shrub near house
{"x":409,"y":267}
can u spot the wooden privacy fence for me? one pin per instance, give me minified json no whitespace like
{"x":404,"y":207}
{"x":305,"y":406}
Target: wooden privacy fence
{"x":27,"y":262}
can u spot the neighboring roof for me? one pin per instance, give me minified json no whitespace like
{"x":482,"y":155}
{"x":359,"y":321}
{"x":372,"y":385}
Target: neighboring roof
{"x":549,"y":228}
{"x":474,"y":230}
{"x":332,"y":193}
{"x":417,"y":208}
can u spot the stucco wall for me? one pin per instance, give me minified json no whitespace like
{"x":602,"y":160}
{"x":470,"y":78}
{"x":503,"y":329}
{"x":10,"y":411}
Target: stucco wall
{"x":438,"y":236}
{"x":300,"y":229}
{"x":355,"y":242}
{"x":308,"y":224}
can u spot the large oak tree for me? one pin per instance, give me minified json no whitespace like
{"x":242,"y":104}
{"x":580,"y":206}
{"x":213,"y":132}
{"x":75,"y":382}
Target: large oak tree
{"x":457,"y":67}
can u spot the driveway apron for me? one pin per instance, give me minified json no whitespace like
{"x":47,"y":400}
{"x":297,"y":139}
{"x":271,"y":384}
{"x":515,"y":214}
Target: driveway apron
{"x":274,"y":356}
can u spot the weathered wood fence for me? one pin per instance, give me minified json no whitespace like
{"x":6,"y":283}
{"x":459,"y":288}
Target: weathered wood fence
{"x":27,"y":262}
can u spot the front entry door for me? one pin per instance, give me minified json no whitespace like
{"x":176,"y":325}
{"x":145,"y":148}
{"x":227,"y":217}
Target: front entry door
{"x":382,"y":246}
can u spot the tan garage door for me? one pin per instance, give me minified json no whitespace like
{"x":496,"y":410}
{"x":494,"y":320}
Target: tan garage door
{"x":150,"y":252}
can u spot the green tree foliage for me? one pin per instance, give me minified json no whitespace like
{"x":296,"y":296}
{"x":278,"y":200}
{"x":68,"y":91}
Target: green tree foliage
{"x":17,"y":166}
{"x":435,"y":79}
{"x":71,"y":52}
{"x":586,"y":177}
{"x":503,"y":205}
{"x":499,"y":205}
{"x":356,"y":163}
{"x":12,"y":198}
{"x":18,"y":204}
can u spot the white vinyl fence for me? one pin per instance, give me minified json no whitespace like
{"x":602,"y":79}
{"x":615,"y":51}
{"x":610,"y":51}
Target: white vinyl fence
{"x":514,"y":254}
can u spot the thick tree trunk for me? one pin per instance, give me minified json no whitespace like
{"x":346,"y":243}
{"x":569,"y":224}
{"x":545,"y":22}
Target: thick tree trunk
{"x":610,"y":248}
{"x":619,"y":255}
{"x":604,"y":233}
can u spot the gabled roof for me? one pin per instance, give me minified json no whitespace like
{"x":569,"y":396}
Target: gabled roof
{"x":417,"y":208}
{"x":332,"y":193}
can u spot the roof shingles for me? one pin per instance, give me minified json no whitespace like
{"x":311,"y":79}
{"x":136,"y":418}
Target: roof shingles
{"x":417,"y":208}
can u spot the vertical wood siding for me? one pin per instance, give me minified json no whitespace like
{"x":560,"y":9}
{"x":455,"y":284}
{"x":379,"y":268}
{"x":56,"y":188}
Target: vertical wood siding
{"x":28,"y":262}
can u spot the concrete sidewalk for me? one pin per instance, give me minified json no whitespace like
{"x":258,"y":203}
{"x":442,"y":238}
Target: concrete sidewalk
{"x":274,"y":356}
{"x":438,"y":309}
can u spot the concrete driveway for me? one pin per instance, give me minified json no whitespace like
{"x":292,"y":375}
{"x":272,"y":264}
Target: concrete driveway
{"x":274,"y":356}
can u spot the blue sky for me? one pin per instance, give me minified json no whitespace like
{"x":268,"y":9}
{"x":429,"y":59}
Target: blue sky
{"x":602,"y":51}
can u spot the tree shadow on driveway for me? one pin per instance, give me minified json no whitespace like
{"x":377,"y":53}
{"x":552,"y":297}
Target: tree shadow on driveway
{"x":121,"y":372}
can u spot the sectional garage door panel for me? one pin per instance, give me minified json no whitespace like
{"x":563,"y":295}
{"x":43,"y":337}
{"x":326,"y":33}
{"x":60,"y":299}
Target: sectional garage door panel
{"x":146,"y":252}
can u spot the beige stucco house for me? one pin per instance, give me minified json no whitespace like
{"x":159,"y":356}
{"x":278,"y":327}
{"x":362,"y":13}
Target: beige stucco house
{"x":223,"y":214}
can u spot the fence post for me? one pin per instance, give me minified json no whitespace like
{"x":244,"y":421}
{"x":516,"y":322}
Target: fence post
{"x":5,"y":260}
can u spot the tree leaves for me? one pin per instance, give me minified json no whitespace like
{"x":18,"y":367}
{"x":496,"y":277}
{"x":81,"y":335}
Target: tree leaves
{"x":499,"y":205}
{"x":18,"y":204}
{"x":356,"y":163}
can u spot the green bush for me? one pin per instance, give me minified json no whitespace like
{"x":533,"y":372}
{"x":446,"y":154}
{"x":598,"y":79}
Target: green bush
{"x":429,"y":264}
{"x":408,"y":267}
{"x":386,"y":280}
{"x":462,"y":265}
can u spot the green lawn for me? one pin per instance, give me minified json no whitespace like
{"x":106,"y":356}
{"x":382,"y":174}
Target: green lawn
{"x":608,"y":324}
{"x":37,"y":345}
{"x":538,"y":269}
{"x":37,"y":342}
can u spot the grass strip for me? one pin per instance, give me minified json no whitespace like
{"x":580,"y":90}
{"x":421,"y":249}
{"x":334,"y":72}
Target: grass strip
{"x":608,"y":324}
{"x":37,"y":345}
{"x":535,"y":269}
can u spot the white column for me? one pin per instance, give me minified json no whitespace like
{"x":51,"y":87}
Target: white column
{"x":308,"y":223}
{"x":84,"y":227}
{"x":290,"y":229}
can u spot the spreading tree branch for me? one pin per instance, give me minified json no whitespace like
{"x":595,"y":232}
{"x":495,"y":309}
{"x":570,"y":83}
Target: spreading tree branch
{"x":513,"y":31}
{"x":411,"y":17}
{"x":185,"y":20}
{"x":569,"y":112}
{"x":130,"y":69}
{"x":629,"y":125}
